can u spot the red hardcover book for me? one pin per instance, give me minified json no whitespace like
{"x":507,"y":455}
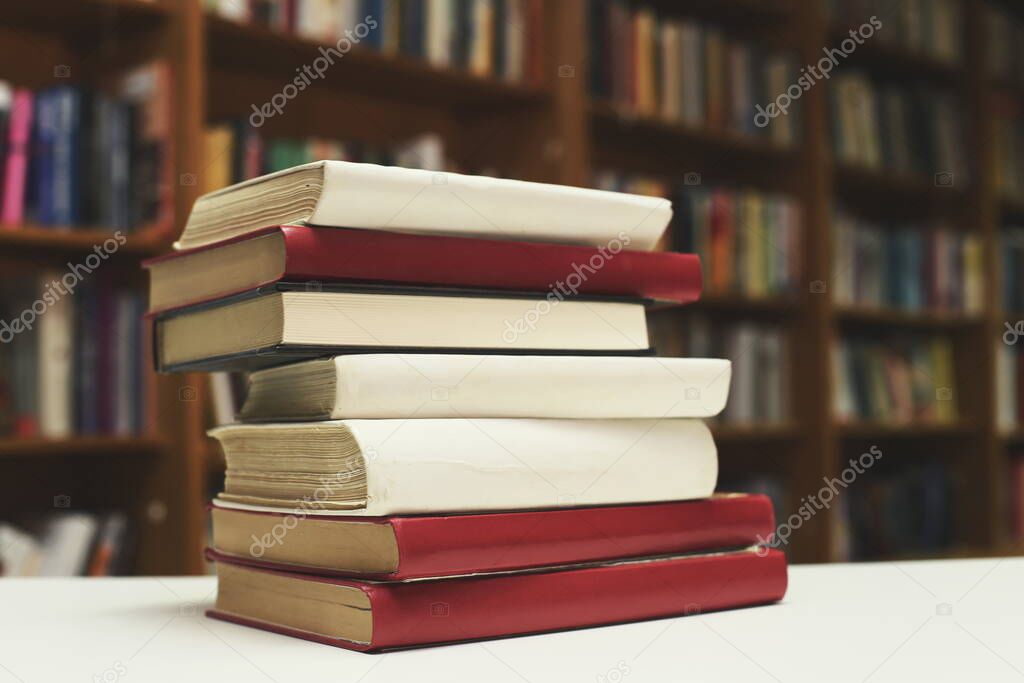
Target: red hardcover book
{"x":372,"y":616}
{"x":308,"y":254}
{"x":12,"y":208}
{"x":398,"y":548}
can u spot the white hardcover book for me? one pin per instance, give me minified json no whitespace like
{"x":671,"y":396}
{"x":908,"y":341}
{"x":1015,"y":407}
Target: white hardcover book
{"x":387,"y":467}
{"x":351,"y":195}
{"x":488,"y":386}
{"x":439,"y":38}
{"x":56,"y":336}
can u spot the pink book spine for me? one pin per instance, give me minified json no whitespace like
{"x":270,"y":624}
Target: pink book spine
{"x":17,"y":160}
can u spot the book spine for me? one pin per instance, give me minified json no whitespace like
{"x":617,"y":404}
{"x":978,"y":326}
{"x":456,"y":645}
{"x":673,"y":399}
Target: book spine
{"x":410,"y":613}
{"x":16,"y":163}
{"x":439,"y":546}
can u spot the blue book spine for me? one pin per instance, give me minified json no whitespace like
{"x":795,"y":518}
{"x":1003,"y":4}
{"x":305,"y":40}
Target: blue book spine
{"x":67,"y":105}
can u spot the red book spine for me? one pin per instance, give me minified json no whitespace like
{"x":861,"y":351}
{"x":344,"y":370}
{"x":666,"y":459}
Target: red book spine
{"x":435,"y":546}
{"x":490,"y":264}
{"x":380,"y":257}
{"x":427,"y":612}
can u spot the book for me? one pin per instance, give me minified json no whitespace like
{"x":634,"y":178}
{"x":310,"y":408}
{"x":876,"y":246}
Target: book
{"x":371,"y":616}
{"x":928,"y":28}
{"x":482,"y":386}
{"x":279,"y":324}
{"x":55,"y":365}
{"x":423,"y":466}
{"x":16,"y":163}
{"x":344,"y":194}
{"x":409,"y":547}
{"x":66,"y":543}
{"x":1012,"y":250}
{"x":307,"y":254}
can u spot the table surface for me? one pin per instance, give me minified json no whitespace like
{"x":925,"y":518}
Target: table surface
{"x":945,"y":620}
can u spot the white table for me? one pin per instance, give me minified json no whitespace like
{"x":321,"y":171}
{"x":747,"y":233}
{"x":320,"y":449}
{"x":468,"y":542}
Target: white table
{"x":916,"y":621}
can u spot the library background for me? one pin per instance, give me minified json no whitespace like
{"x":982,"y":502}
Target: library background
{"x":851,"y":173}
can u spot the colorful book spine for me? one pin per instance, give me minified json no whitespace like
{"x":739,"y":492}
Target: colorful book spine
{"x":16,"y":167}
{"x":877,"y":266}
{"x":899,"y":380}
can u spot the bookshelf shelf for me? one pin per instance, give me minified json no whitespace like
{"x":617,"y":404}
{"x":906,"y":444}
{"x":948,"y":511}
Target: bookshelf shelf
{"x":740,"y":12}
{"x":145,"y":241}
{"x":88,"y":446}
{"x":872,"y":430}
{"x":611,"y":119}
{"x":222,"y":68}
{"x":1015,"y":437}
{"x":235,"y":47}
{"x":1012,"y":206}
{"x":744,"y":433}
{"x":869,"y":185}
{"x":741,"y":305}
{"x":887,"y":60}
{"x":81,"y":17}
{"x":934,"y":320}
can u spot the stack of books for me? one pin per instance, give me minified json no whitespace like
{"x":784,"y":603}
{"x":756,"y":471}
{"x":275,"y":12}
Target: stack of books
{"x":454,"y":429}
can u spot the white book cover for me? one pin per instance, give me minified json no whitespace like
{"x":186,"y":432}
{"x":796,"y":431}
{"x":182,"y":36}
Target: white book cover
{"x":431,"y":466}
{"x":373,"y":197}
{"x":507,"y":386}
{"x":384,"y":197}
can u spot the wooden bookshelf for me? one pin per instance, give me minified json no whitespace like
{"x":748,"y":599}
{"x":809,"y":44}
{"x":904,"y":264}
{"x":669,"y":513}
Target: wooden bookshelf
{"x":549,"y":131}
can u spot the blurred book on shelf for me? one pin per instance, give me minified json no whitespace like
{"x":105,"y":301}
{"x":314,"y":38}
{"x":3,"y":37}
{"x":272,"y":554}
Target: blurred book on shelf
{"x":760,"y":393}
{"x":903,"y":510}
{"x":238,"y":152}
{"x":67,"y":544}
{"x":1004,"y":45}
{"x":690,"y":73}
{"x":72,"y":365}
{"x":1008,"y":134}
{"x":74,"y":156}
{"x":1010,"y":379}
{"x":910,"y":269}
{"x":911,"y":131}
{"x":930,"y":28}
{"x":227,"y":393}
{"x":498,"y":38}
{"x":748,"y":241}
{"x":1012,"y":250}
{"x":901,"y":380}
